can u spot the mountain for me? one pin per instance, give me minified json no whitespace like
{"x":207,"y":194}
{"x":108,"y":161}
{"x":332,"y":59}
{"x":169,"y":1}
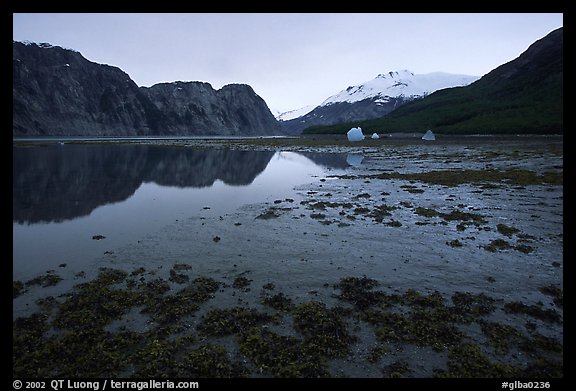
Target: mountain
{"x":523,"y":96}
{"x":57,"y":91}
{"x":373,"y":98}
{"x":235,"y":109}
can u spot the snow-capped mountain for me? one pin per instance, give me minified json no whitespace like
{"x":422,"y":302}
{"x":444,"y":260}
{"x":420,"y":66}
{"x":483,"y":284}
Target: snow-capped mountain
{"x":373,"y":98}
{"x":400,"y":83}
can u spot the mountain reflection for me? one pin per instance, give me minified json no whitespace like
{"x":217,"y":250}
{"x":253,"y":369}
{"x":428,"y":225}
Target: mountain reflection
{"x":329,"y":160}
{"x":55,"y":183}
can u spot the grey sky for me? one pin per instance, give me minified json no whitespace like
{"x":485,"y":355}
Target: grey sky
{"x":291,"y":60}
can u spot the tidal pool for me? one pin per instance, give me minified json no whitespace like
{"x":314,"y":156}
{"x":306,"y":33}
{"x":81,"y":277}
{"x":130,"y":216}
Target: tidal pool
{"x":75,"y":202}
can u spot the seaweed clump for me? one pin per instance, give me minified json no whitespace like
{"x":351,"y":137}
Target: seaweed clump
{"x":358,"y":291}
{"x":323,"y":328}
{"x":468,"y":361}
{"x":231,"y":321}
{"x":282,"y":356}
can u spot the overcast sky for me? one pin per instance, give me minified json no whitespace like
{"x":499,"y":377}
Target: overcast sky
{"x":291,"y":60}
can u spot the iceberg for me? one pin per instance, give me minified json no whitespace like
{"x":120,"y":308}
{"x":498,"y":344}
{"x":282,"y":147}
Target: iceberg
{"x":429,"y":136}
{"x":355,"y":134}
{"x":375,"y":136}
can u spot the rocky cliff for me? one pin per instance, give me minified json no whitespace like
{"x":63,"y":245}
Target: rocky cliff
{"x":57,"y":91}
{"x":196,"y":107}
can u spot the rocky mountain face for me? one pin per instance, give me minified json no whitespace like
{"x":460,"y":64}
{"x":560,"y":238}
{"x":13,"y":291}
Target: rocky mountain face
{"x":57,"y":91}
{"x":375,"y":98}
{"x":235,"y":109}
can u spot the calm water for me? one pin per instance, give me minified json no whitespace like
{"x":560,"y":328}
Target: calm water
{"x":65,"y":195}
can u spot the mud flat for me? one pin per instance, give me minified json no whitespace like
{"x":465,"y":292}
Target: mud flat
{"x":440,"y":259}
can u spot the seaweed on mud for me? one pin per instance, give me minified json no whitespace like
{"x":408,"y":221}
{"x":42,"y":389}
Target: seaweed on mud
{"x":497,"y":244}
{"x":396,"y":370}
{"x":506,"y":230}
{"x":535,"y":311}
{"x":426,"y":212}
{"x":17,"y":288}
{"x":468,"y":361}
{"x":90,"y":351}
{"x":137,"y":271}
{"x":155,"y":287}
{"x":165,"y":359}
{"x":282,"y":356}
{"x":27,"y":335}
{"x":157,"y":358}
{"x":453,"y":178}
{"x":376,"y":354}
{"x":46,"y":304}
{"x":523,"y":248}
{"x":178,"y":278}
{"x":381,"y":211}
{"x":430,"y":322}
{"x":556,"y":294}
{"x":500,"y":335}
{"x":96,"y":303}
{"x":322,"y":205}
{"x":73,"y":336}
{"x":463,"y":216}
{"x":361,"y":210}
{"x":414,"y":298}
{"x":358,"y":291}
{"x":232,"y":321}
{"x":271,"y":213}
{"x":241,"y":282}
{"x":49,"y":279}
{"x":471,"y":304}
{"x":167,"y":309}
{"x":211,"y":361}
{"x":181,"y":266}
{"x":393,"y":223}
{"x":323,"y":329}
{"x":279,"y":302}
{"x":412,"y":189}
{"x":422,"y":328}
{"x":540,"y":342}
{"x":454,"y":243}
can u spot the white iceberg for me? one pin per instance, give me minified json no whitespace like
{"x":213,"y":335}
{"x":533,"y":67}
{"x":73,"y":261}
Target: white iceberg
{"x":375,"y":136}
{"x":355,"y":134}
{"x":429,"y":136}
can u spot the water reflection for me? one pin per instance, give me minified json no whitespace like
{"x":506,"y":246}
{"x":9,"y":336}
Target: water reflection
{"x":328,"y":160}
{"x":354,"y":159}
{"x":55,"y":183}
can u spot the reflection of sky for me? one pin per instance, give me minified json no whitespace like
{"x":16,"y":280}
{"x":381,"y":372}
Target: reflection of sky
{"x":43,"y":246}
